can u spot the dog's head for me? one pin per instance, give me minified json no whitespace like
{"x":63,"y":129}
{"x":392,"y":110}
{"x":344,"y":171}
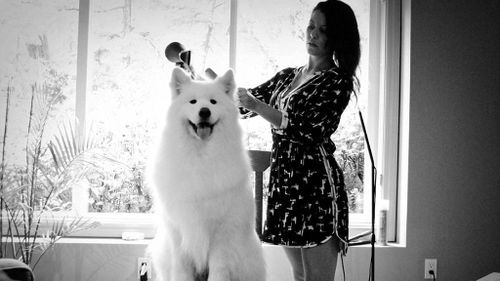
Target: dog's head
{"x":202,"y":105}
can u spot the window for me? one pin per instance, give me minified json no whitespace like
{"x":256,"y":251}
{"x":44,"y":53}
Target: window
{"x":107,"y":57}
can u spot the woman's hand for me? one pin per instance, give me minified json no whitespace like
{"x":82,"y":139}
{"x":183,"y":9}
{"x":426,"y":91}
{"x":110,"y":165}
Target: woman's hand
{"x":251,"y":103}
{"x":246,"y":100}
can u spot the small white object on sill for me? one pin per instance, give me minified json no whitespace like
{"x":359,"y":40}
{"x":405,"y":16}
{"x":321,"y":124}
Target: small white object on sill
{"x":132,"y":235}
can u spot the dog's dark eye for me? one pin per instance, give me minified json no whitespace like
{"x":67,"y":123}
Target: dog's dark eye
{"x":212,"y":101}
{"x":192,"y":101}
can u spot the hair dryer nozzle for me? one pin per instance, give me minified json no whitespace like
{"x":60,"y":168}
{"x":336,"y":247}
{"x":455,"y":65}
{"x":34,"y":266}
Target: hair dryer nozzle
{"x":176,"y":53}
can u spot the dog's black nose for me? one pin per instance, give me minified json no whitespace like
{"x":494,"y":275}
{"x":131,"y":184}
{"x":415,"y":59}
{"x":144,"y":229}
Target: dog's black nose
{"x":204,"y":113}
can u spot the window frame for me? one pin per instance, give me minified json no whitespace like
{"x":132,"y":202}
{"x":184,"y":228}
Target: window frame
{"x":390,"y":102}
{"x":383,"y":132}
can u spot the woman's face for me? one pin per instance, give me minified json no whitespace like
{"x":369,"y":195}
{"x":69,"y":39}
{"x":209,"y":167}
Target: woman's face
{"x":316,"y":39}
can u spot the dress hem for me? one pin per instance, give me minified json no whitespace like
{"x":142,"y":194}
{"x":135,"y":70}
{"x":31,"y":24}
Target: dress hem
{"x":343,"y":245}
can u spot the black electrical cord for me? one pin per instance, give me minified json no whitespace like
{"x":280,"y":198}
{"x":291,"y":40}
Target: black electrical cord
{"x":371,"y":274}
{"x":431,"y":272}
{"x":343,"y":266}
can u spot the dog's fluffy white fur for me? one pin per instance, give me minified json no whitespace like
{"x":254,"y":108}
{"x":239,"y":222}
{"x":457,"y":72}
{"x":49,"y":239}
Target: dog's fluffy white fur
{"x":202,"y":192}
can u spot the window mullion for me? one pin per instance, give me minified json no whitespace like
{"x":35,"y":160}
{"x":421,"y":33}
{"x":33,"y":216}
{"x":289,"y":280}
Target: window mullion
{"x":390,"y":111}
{"x":233,"y":26}
{"x":81,"y":85}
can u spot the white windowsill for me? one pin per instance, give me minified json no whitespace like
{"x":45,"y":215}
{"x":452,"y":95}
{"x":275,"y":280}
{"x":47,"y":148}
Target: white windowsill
{"x":118,"y":241}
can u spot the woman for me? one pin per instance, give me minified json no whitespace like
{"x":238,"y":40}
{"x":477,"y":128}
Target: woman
{"x":307,"y":209}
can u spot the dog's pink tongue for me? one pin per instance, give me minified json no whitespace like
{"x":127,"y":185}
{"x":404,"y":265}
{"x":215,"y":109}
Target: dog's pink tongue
{"x":204,"y":132}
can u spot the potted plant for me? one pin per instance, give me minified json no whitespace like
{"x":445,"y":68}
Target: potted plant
{"x":31,"y":192}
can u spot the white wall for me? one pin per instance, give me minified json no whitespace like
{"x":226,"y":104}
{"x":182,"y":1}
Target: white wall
{"x":454,"y":175}
{"x":98,"y":260}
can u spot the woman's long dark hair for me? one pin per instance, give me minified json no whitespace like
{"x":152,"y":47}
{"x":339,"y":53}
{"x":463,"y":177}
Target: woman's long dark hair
{"x":343,"y":35}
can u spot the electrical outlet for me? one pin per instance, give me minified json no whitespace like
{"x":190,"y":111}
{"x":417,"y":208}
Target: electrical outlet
{"x":144,"y":269}
{"x":430,"y":264}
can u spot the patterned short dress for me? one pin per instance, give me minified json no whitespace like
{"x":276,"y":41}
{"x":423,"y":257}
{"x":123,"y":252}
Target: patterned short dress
{"x":307,"y":202}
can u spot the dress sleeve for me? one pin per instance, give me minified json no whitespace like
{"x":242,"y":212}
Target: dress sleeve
{"x":314,"y":116}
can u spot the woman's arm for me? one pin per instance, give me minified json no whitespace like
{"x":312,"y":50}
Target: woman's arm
{"x":263,"y":94}
{"x":267,"y":112}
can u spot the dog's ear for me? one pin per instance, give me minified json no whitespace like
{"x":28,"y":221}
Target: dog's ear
{"x":179,"y":77}
{"x":227,"y":80}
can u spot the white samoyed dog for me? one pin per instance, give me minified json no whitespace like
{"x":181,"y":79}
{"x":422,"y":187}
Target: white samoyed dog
{"x":202,"y":191}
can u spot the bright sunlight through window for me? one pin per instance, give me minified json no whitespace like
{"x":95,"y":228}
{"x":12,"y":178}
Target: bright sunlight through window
{"x":127,"y":92}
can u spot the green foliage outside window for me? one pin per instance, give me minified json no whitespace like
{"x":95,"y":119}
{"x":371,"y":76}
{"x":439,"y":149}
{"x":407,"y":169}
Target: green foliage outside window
{"x":129,"y":79}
